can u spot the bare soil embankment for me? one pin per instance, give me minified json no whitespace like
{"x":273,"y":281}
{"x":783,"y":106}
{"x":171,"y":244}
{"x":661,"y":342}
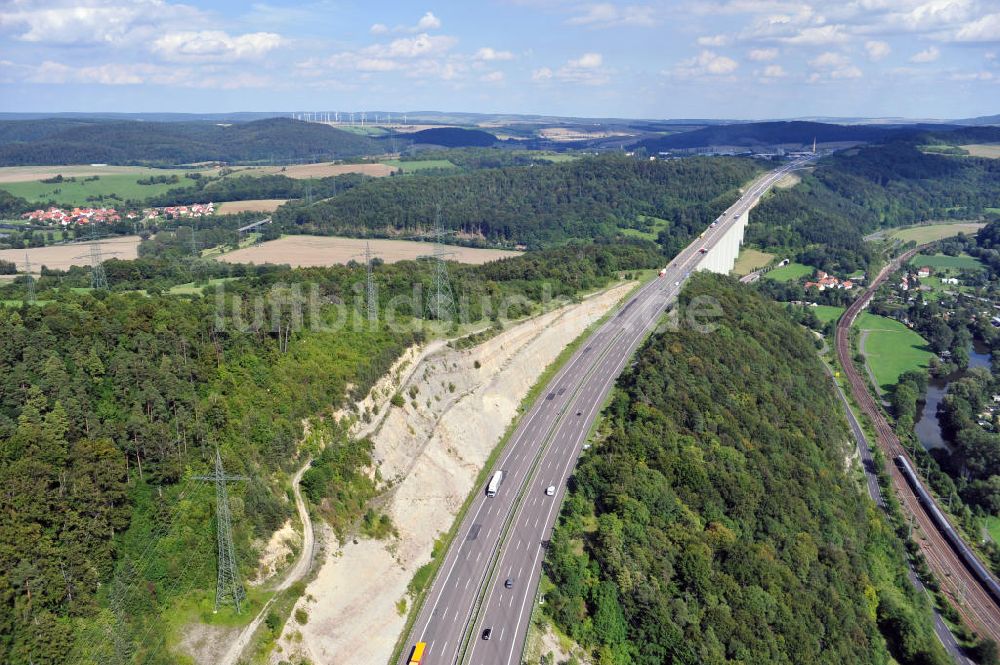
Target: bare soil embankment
{"x":431,"y":452}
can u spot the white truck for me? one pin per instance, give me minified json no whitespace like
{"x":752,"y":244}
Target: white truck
{"x":491,"y":489}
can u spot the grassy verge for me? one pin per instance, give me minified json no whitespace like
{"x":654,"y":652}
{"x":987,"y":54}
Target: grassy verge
{"x":429,"y":571}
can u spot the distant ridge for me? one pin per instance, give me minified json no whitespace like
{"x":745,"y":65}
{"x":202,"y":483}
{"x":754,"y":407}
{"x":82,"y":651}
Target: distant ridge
{"x":757,"y":134}
{"x":72,"y":141}
{"x":453,"y":137}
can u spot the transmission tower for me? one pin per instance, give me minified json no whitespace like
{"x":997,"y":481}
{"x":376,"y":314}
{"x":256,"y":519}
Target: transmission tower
{"x":370,"y":286}
{"x":442,"y":299}
{"x":98,"y":279}
{"x":229,"y":588}
{"x":30,"y":295}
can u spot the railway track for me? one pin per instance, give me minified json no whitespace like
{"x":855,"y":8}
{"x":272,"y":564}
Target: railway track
{"x":960,"y":583}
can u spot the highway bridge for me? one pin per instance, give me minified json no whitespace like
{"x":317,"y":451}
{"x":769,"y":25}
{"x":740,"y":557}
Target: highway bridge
{"x":489,"y":576}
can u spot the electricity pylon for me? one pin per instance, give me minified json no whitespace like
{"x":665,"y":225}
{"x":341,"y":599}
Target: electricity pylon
{"x":442,"y":299}
{"x":30,"y":297}
{"x":229,"y":588}
{"x":370,"y":286}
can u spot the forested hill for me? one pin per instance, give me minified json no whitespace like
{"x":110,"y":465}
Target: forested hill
{"x":168,"y":143}
{"x":452,"y":137}
{"x":854,"y":192}
{"x":715,"y":522}
{"x":769,"y":133}
{"x":538,"y":205}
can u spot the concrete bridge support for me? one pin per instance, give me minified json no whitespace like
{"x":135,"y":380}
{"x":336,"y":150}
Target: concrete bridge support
{"x":721,"y":257}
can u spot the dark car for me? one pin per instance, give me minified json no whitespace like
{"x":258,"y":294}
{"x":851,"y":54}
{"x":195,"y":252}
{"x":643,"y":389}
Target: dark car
{"x":488,"y":633}
{"x":509,"y":583}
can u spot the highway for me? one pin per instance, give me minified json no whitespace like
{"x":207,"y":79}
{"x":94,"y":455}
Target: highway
{"x":503,"y":537}
{"x":969,"y":597}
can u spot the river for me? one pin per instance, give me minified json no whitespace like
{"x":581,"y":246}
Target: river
{"x":928,"y":428}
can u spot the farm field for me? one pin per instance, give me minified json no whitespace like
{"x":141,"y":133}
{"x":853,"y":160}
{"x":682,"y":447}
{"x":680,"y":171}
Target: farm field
{"x":61,"y":257}
{"x":827,"y":313}
{"x":420,"y":165}
{"x":991,"y":150}
{"x":947,"y":263}
{"x":254,"y":205}
{"x":9,"y":174}
{"x":751,"y":259}
{"x":932,"y":232}
{"x":305,"y":251}
{"x":125,"y":186}
{"x":890,"y":348}
{"x":322,"y":170}
{"x":790,"y":272}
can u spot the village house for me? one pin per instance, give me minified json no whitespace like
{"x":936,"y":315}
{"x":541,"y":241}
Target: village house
{"x":923,"y":271}
{"x":825,"y":281}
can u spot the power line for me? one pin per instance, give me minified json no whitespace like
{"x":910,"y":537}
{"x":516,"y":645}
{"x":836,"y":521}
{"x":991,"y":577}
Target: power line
{"x":370,"y":286}
{"x":30,"y":297}
{"x":229,"y":588}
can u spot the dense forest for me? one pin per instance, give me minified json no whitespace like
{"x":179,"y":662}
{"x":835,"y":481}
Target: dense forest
{"x":713,"y":520}
{"x":111,"y":401}
{"x":274,"y":140}
{"x":756,"y":134}
{"x":823,"y":220}
{"x":537,"y":205}
{"x":452,"y":137}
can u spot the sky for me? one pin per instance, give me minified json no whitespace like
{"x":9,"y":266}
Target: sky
{"x":746,"y":59}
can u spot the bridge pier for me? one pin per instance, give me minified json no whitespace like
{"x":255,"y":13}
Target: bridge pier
{"x":721,"y":257}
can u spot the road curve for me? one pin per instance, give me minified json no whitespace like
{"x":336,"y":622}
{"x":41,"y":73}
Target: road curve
{"x":294,"y":574}
{"x":503,"y":537}
{"x":966,"y":593}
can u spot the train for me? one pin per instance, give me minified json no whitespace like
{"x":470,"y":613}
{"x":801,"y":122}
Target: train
{"x":970,"y":559}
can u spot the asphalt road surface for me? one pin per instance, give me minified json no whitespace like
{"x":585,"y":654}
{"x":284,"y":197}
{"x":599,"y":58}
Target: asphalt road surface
{"x":503,"y":537}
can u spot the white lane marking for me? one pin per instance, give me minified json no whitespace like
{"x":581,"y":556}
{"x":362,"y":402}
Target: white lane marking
{"x":467,"y":582}
{"x":680,"y":262}
{"x":479,"y":555}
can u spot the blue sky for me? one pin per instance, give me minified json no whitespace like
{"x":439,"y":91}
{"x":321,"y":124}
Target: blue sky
{"x":658,"y":59}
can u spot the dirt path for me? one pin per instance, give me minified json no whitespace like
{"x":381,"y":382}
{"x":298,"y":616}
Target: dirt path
{"x":296,"y":573}
{"x":430,"y":451}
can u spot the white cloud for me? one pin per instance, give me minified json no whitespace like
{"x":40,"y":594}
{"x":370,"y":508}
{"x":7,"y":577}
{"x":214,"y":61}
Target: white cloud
{"x":775,"y":71}
{"x":985,"y":29}
{"x":492,"y":77}
{"x":713,"y":40}
{"x":587,"y":61}
{"x":762,"y":54}
{"x":849,"y":72}
{"x":116,"y":74}
{"x":541,"y":74}
{"x":420,"y":56}
{"x":877,"y":50}
{"x":110,"y":22}
{"x":829,"y":59}
{"x":215,"y":45}
{"x":412,"y":47}
{"x":705,"y":63}
{"x":489,"y":54}
{"x":608,"y":15}
{"x":930,"y":54}
{"x":588,"y":69}
{"x":973,"y":76}
{"x":835,"y":65}
{"x":819,"y":36}
{"x":428,"y":22}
